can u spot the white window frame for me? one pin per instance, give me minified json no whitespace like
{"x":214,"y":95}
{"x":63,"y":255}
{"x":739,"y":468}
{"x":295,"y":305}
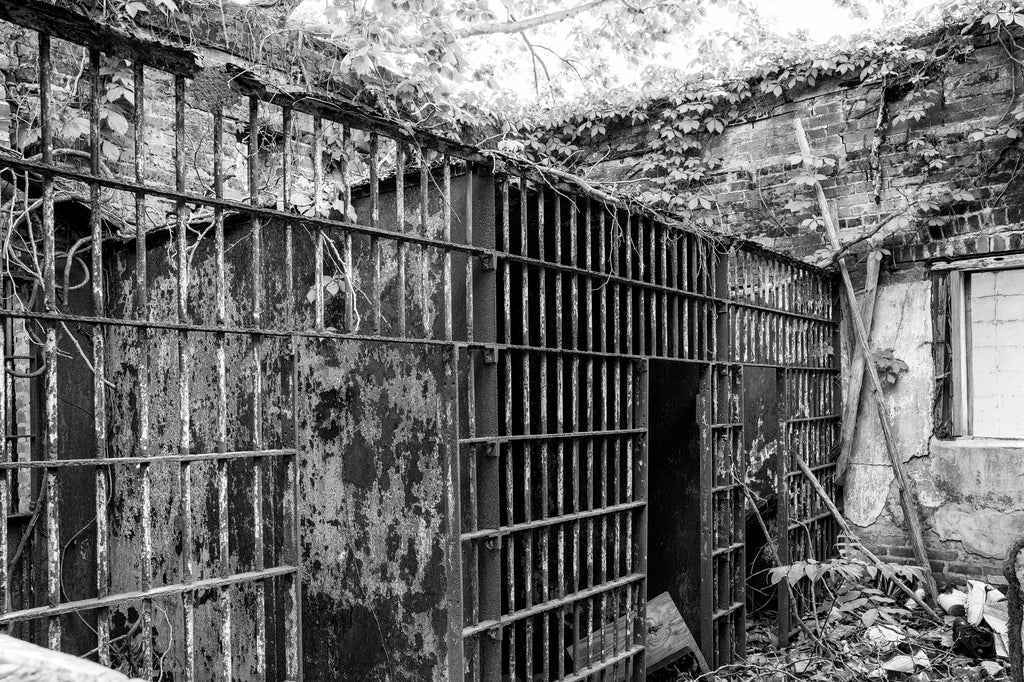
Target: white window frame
{"x":959,"y":281}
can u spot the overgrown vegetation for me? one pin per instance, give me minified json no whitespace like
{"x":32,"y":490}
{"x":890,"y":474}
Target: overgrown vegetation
{"x":436,"y":64}
{"x":855,"y":626}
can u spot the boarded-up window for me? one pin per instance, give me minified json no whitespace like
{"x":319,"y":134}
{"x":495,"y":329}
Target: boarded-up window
{"x":988,"y":331}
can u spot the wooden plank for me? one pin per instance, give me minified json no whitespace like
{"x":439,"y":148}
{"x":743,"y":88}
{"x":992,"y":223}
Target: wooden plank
{"x":910,"y":511}
{"x":668,"y":638}
{"x":958,"y":341}
{"x":850,"y":410}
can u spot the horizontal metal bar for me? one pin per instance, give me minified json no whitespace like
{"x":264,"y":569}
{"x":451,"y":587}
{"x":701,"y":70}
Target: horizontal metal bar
{"x":492,"y":624}
{"x":798,"y":525}
{"x":721,"y":613}
{"x":786,"y":313}
{"x":537,"y":437}
{"x":156,"y":459}
{"x":217,"y":329}
{"x":551,"y":521}
{"x":815,"y":469}
{"x":822,"y":418}
{"x":606,"y":277}
{"x":592,"y":670}
{"x":552,"y":350}
{"x":241,"y":207}
{"x":726,"y":550}
{"x":155,"y":593}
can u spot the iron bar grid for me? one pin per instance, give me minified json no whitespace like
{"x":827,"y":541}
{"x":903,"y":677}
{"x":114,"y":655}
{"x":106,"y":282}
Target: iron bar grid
{"x":552,"y":480}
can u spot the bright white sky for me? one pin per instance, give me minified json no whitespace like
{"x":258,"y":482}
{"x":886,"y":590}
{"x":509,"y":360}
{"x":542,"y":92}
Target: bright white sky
{"x":818,"y":20}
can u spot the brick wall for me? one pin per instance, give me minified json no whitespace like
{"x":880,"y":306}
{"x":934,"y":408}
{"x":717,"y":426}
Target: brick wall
{"x":970,"y":500}
{"x":753,"y":185}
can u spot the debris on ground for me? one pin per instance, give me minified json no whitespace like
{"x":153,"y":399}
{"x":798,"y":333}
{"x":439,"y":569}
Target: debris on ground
{"x":857,"y":627}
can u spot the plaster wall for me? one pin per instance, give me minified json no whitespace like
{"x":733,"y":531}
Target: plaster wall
{"x":969,"y":490}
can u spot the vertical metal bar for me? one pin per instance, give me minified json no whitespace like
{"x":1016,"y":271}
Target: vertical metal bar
{"x":574,"y":417}
{"x":99,"y":364}
{"x":375,"y":254}
{"x":705,"y":417}
{"x":558,"y":229}
{"x":527,"y":465}
{"x":507,"y":450}
{"x":543,"y":427}
{"x":289,"y":503}
{"x":403,"y":247}
{"x":49,"y":350}
{"x":351,"y":278}
{"x":782,"y":495}
{"x":470,"y":282}
{"x":256,"y":229}
{"x":318,"y":248}
{"x":293,"y":616}
{"x":287,"y":163}
{"x":223,"y":537}
{"x":142,"y":379}
{"x":5,"y":456}
{"x":446,"y":265}
{"x":640,"y":488}
{"x":425,"y":293}
{"x":184,"y":371}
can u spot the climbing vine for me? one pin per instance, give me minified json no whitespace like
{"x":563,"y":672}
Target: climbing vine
{"x":672,"y":138}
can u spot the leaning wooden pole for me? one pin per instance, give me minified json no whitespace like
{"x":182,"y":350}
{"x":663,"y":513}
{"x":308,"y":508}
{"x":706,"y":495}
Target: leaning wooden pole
{"x":852,"y":407}
{"x":848,"y":530}
{"x":907,"y":502}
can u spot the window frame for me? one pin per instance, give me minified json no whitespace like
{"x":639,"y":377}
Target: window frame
{"x":958,"y":274}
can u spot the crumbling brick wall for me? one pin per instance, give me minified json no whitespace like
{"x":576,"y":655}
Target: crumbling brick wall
{"x":971,"y":504}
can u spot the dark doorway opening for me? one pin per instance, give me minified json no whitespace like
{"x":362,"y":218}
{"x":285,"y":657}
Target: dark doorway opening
{"x":674,"y":526}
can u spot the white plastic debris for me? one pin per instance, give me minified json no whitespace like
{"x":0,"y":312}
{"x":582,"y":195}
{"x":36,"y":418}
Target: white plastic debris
{"x":986,"y":603}
{"x":907,"y":664}
{"x":884,"y":634}
{"x":955,"y":597}
{"x":911,"y":604}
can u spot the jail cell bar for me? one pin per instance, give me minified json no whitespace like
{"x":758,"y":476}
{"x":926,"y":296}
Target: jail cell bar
{"x":785,"y":316}
{"x":566,"y":298}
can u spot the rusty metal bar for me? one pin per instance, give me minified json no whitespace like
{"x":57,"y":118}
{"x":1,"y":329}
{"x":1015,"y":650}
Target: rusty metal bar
{"x":184,"y":372}
{"x":5,"y":457}
{"x":375,"y":252}
{"x":50,"y":439}
{"x":351,"y":278}
{"x":99,"y":364}
{"x":402,"y":244}
{"x":224,"y":594}
{"x":256,"y":235}
{"x":160,"y":592}
{"x":446,"y":264}
{"x":152,"y":460}
{"x":316,"y":149}
{"x":142,"y":312}
{"x":550,"y":604}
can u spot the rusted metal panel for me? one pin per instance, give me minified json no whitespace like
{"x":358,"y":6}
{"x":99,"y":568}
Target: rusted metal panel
{"x":376,"y":428}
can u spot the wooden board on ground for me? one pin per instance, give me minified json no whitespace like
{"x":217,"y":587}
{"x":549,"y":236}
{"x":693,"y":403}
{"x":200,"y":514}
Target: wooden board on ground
{"x":668,"y":639}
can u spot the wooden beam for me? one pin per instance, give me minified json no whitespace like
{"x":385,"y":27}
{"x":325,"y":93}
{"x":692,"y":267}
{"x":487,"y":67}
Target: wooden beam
{"x":867,"y":312}
{"x":910,"y":512}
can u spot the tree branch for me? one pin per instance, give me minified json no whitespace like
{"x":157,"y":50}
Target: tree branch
{"x":528,"y":22}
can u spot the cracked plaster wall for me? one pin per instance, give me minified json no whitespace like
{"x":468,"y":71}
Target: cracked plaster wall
{"x":969,"y":491}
